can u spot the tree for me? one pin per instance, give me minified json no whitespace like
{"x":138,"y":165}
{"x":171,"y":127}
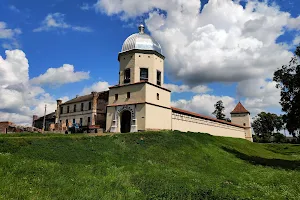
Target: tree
{"x":264,"y":125}
{"x":288,"y":80}
{"x":219,"y":108}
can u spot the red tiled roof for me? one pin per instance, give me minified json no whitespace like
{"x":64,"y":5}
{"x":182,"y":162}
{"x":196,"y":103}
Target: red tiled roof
{"x":204,"y":117}
{"x":239,"y":109}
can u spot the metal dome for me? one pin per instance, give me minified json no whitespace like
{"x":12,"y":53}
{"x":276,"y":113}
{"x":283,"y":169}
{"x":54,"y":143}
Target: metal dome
{"x":141,"y":41}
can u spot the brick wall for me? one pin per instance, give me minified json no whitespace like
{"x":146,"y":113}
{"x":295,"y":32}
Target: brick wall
{"x":4,"y":126}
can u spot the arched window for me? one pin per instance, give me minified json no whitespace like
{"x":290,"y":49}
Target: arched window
{"x":127,"y":76}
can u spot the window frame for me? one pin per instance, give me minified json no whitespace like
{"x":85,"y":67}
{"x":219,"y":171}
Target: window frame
{"x":127,"y":75}
{"x":128,"y":95}
{"x":141,"y":77}
{"x":158,"y":80}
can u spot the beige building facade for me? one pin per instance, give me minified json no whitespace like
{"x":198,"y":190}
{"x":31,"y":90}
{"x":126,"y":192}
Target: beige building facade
{"x":140,"y":102}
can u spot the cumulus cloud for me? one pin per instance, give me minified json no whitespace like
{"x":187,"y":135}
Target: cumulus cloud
{"x":96,"y":87}
{"x":20,"y":99}
{"x":9,"y":36}
{"x":296,"y":40}
{"x":186,"y":88}
{"x":204,"y":104}
{"x":59,"y":76}
{"x":225,"y":42}
{"x":259,"y":94}
{"x":56,"y":21}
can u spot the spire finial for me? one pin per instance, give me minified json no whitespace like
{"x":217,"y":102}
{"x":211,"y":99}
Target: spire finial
{"x":141,"y":28}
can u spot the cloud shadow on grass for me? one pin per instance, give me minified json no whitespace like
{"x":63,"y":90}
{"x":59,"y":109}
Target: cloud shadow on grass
{"x":255,"y":160}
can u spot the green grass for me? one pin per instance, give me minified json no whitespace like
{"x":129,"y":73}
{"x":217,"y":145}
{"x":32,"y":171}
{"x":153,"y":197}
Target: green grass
{"x":166,"y":165}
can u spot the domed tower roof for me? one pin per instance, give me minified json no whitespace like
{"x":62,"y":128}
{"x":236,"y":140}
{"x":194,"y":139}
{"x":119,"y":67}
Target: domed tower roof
{"x":141,"y":41}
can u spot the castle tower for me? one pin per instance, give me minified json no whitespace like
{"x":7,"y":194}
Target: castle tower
{"x":241,"y":116}
{"x":139,"y":102}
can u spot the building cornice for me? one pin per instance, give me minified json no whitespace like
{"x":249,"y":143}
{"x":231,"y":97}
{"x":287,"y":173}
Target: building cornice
{"x":135,"y":103}
{"x":140,"y":51}
{"x":141,"y":82}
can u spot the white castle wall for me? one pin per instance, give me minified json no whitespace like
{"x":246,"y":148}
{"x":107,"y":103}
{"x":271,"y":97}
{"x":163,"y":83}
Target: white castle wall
{"x":184,"y":123}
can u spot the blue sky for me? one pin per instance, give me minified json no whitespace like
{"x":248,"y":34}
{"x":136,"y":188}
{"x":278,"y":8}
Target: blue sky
{"x":95,"y":49}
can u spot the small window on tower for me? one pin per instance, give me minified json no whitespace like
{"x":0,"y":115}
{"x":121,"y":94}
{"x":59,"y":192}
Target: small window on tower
{"x":116,"y":97}
{"x":157,"y":96}
{"x":127,"y":76}
{"x":144,"y":74}
{"x":158,"y":77}
{"x":244,"y":124}
{"x":128,"y":95}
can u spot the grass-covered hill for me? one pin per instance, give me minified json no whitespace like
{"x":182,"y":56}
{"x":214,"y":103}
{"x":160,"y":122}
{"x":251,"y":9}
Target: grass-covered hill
{"x":164,"y":165}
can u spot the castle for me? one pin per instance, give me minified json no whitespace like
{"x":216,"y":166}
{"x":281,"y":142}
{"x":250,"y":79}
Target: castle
{"x":140,"y":102}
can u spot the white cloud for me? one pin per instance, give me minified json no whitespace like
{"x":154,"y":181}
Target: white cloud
{"x":296,"y":40}
{"x":259,"y":94}
{"x":56,"y":21}
{"x":204,"y":104}
{"x":225,"y":42}
{"x":96,"y":87}
{"x":19,"y":99}
{"x":86,"y":6}
{"x":9,"y":36}
{"x":59,"y":76}
{"x":186,"y":88}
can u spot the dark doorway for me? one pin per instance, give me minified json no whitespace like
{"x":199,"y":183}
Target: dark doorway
{"x":125,"y":121}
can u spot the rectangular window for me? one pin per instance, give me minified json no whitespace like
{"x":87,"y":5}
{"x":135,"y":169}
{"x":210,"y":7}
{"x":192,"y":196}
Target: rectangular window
{"x":90,"y":105}
{"x":74,"y":121}
{"x":157,"y":96}
{"x":81,"y":106}
{"x":127,"y":76}
{"x":116,"y":97}
{"x":128,"y":95}
{"x":61,"y":110}
{"x":158,"y":77}
{"x":68,"y":109}
{"x":89,"y":120}
{"x":144,"y":74}
{"x":80,"y":122}
{"x":75,"y":108}
{"x":67,"y":123}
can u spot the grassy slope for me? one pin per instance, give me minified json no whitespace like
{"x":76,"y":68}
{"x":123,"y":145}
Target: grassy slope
{"x":167,"y":165}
